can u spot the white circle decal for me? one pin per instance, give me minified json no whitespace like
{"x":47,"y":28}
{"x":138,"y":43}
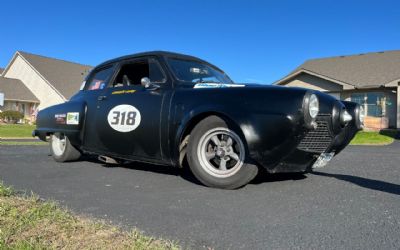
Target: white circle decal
{"x":124,"y":118}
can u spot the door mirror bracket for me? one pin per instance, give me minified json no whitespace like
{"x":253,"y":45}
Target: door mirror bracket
{"x":147,"y":84}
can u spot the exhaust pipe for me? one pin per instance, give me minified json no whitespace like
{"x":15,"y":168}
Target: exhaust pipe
{"x":107,"y":160}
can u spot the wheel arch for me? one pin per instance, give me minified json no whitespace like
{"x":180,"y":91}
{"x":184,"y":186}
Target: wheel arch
{"x":189,"y":124}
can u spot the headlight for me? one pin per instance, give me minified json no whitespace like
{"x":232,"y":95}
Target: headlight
{"x":313,"y":106}
{"x":345,"y":117}
{"x":361,"y":115}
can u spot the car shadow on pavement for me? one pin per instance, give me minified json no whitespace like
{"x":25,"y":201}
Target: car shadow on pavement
{"x":395,"y":134}
{"x":382,"y":186}
{"x":186,"y":174}
{"x":159,"y":169}
{"x":264,"y":177}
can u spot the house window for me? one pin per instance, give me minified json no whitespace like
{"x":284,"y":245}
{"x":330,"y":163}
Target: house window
{"x":23,"y":108}
{"x":374,"y":103}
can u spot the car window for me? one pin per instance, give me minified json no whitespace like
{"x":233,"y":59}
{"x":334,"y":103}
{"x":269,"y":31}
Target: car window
{"x":156,"y":73}
{"x":196,"y":72}
{"x":131,"y":73}
{"x":99,"y":79}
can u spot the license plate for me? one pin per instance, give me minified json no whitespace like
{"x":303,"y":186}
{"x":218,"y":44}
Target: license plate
{"x":323,"y":159}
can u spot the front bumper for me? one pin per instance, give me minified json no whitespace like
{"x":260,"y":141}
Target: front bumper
{"x":300,"y":153}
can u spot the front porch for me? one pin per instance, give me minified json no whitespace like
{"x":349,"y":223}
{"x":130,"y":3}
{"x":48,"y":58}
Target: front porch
{"x":381,"y":106}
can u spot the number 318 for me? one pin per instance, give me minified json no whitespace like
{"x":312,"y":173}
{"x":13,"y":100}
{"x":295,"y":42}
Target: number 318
{"x":123,"y":118}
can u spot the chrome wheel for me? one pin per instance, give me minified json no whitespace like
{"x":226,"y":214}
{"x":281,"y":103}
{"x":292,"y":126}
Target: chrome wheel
{"x":221,"y":152}
{"x":58,"y":143}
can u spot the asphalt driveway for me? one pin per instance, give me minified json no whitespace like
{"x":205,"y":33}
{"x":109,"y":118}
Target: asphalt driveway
{"x":352,"y":203}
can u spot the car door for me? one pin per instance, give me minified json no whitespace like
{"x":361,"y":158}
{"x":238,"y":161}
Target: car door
{"x":94,"y":88}
{"x":129,"y":115}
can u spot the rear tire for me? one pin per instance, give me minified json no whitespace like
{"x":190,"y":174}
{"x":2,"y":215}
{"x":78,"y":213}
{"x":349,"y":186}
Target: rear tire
{"x":61,"y":148}
{"x":217,"y":155}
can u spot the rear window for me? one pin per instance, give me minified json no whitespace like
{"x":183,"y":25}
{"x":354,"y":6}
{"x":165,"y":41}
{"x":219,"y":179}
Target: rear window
{"x":99,"y":79}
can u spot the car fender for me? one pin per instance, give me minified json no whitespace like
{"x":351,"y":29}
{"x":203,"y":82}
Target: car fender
{"x":67,"y":118}
{"x":195,"y":115}
{"x":186,"y":119}
{"x":256,"y":129}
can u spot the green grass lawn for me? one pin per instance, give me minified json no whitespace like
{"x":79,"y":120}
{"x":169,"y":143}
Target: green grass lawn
{"x":373,"y":138}
{"x":16,"y":130}
{"x":28,"y":222}
{"x":24,"y":143}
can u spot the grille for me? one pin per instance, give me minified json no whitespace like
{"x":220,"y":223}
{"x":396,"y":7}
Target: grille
{"x":318,"y":140}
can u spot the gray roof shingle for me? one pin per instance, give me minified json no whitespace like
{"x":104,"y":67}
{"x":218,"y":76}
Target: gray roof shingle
{"x":65,"y":76}
{"x":1,"y":70}
{"x":362,"y":70}
{"x":14,"y":89}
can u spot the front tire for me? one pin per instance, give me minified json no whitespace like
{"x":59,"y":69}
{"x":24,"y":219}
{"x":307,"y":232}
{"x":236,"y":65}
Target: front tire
{"x":62,"y":149}
{"x":217,"y":155}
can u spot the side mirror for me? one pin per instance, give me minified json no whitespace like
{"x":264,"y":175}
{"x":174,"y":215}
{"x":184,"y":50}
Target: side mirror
{"x":146,"y":83}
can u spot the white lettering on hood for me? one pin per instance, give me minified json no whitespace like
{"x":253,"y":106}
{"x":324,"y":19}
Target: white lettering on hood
{"x":216,"y":85}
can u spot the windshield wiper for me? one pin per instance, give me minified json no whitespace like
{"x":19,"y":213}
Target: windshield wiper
{"x":202,"y":81}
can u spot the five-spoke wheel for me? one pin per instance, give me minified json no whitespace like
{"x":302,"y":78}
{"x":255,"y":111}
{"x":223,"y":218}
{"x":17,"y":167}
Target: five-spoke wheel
{"x":221,"y":152}
{"x":217,"y":155}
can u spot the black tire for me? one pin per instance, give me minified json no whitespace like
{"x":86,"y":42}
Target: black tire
{"x":245,"y":171}
{"x":66,"y":153}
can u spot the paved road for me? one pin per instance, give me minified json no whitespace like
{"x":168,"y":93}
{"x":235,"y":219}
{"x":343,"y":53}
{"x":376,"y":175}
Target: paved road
{"x":353,"y":203}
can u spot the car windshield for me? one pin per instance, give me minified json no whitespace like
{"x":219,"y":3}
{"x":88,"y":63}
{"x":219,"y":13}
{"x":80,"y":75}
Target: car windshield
{"x":197,"y":72}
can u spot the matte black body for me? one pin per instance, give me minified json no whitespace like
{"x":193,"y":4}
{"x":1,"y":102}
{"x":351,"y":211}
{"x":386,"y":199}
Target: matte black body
{"x":270,"y":119}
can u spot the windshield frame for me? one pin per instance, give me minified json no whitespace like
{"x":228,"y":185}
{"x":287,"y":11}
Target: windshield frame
{"x":167,"y":61}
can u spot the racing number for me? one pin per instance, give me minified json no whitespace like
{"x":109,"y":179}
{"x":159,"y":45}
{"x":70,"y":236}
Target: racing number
{"x":122,"y":118}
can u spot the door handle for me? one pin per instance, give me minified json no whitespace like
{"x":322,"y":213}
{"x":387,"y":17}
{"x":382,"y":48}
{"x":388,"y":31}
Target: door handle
{"x":102,"y":97}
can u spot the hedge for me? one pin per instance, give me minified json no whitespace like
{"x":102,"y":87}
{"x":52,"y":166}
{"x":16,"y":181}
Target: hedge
{"x":11,"y":116}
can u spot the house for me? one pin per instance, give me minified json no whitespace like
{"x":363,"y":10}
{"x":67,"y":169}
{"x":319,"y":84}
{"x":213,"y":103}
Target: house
{"x":371,"y":79}
{"x":18,"y":97}
{"x":30,"y":82}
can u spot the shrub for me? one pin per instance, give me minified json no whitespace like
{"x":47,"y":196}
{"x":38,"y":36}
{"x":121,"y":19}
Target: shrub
{"x":11,"y":116}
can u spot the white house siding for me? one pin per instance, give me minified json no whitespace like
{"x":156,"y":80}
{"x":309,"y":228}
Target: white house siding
{"x":8,"y":105}
{"x":21,"y":70}
{"x":316,"y":83}
{"x":398,"y":106}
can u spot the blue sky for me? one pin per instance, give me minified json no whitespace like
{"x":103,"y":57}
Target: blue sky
{"x":253,"y":41}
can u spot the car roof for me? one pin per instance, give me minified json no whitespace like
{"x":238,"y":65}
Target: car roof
{"x":159,"y":54}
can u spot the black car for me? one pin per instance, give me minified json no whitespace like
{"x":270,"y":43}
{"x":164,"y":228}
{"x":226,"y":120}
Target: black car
{"x":171,"y":109}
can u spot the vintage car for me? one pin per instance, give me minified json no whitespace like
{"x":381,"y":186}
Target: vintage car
{"x":175,"y":110}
